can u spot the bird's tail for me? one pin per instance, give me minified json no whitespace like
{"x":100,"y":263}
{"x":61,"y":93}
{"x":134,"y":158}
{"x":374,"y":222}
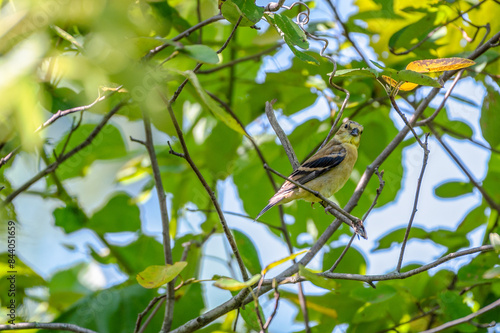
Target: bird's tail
{"x":272,"y":202}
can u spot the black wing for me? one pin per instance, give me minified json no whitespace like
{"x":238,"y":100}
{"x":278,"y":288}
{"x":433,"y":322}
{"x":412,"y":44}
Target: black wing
{"x":315,"y":168}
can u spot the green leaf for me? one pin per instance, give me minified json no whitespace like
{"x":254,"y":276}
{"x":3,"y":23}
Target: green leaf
{"x":70,"y":218}
{"x":382,"y":293}
{"x":107,"y":145}
{"x":397,"y":236}
{"x":201,"y":53}
{"x":453,"y":189}
{"x":411,"y":76}
{"x":453,"y":307}
{"x":250,"y":10}
{"x":292,"y":32}
{"x":113,"y":310}
{"x":411,"y":34}
{"x":157,"y":275}
{"x":235,"y":285}
{"x":301,"y":55}
{"x":490,"y":117}
{"x":213,"y":106}
{"x":317,"y":280}
{"x":133,"y":257}
{"x":249,"y":315}
{"x":233,"y":9}
{"x":370,"y":72}
{"x":247,"y":248}
{"x":119,"y":214}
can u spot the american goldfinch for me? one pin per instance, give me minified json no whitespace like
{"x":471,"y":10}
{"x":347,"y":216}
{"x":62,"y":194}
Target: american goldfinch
{"x":326,"y":172}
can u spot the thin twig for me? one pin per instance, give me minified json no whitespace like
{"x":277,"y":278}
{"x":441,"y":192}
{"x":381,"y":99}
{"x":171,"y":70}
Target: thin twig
{"x":183,"y":34}
{"x":281,"y":135}
{"x":379,"y":191}
{"x":198,"y":66}
{"x":443,"y":102}
{"x":337,"y":262}
{"x":146,"y":310}
{"x":52,"y":167}
{"x":405,"y":120}
{"x":465,"y":319}
{"x":415,"y":203}
{"x":165,"y":222}
{"x":465,"y":137}
{"x":5,"y":159}
{"x":211,"y":194}
{"x":151,"y":316}
{"x":404,"y":275}
{"x":346,"y":34}
{"x":240,"y":60}
{"x":49,"y":326}
{"x":276,"y":304}
{"x":344,"y":216}
{"x":462,"y":166}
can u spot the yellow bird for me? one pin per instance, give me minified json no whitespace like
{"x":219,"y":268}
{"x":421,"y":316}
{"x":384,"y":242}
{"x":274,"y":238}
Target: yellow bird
{"x":326,"y":172}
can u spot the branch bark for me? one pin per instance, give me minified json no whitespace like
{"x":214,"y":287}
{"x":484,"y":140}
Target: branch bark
{"x":50,"y":326}
{"x":52,"y":167}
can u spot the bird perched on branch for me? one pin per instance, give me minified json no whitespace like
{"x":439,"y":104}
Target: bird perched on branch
{"x":326,"y":172}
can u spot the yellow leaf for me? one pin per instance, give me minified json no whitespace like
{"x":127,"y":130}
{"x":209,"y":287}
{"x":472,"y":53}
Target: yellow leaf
{"x":439,"y":65}
{"x":407,"y":86}
{"x":319,"y":308}
{"x":157,"y":275}
{"x":279,"y":262}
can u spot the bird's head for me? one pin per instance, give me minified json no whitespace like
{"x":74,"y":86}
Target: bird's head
{"x":350,"y":132}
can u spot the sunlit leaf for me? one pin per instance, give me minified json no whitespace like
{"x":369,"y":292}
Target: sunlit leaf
{"x":495,"y":241}
{"x":403,"y":87}
{"x":279,"y":262}
{"x":411,"y":77}
{"x":439,"y":65}
{"x":493,"y":273}
{"x":157,"y":275}
{"x":235,"y":285}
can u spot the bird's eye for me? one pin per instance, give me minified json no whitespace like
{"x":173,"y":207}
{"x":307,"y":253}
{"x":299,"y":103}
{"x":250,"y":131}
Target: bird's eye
{"x":346,"y":126}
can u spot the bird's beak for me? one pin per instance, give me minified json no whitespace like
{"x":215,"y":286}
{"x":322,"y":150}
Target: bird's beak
{"x":355,"y":132}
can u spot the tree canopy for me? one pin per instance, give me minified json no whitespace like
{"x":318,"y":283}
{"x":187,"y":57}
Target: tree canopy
{"x":139,"y":139}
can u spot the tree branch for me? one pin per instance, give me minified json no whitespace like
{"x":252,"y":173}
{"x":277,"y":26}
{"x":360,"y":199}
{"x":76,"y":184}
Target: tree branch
{"x":281,"y":135}
{"x":211,"y":194}
{"x":50,"y":326}
{"x":404,"y":275}
{"x":162,"y":200}
{"x":52,"y":167}
{"x":465,"y":319}
{"x":415,"y":203}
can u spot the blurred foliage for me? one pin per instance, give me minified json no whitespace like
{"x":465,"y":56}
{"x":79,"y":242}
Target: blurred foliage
{"x":56,"y":55}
